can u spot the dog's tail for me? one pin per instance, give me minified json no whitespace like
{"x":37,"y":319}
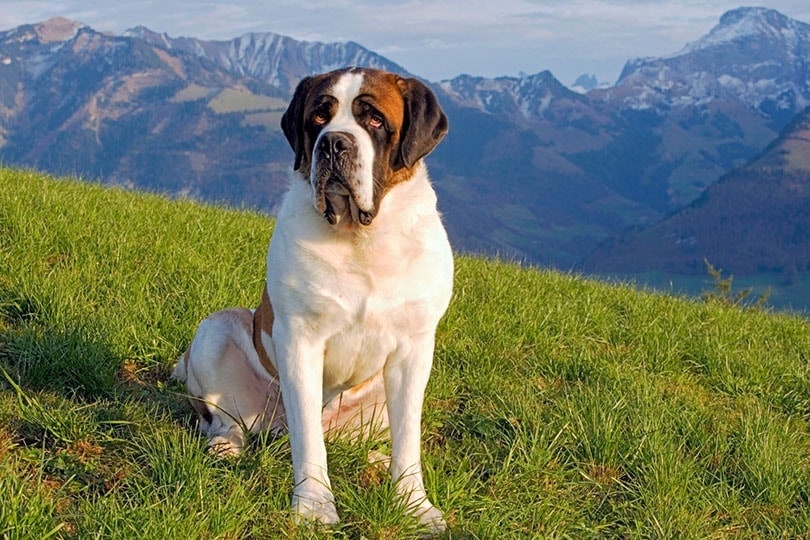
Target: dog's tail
{"x":180,"y":370}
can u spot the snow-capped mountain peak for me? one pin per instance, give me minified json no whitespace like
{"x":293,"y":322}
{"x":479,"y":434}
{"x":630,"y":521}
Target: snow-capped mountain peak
{"x":526,"y":96}
{"x":748,"y":23}
{"x":754,"y":55}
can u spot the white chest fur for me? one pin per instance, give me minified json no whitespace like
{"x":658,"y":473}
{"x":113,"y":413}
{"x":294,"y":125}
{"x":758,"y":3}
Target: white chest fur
{"x":363,"y":294}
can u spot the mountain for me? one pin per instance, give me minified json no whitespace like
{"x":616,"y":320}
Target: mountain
{"x":755,"y":55}
{"x":505,"y":181}
{"x":580,"y":166}
{"x":586,"y":82}
{"x":527,"y":98}
{"x":530,"y":170}
{"x":277,"y":60}
{"x":754,"y":219}
{"x":715,"y":104}
{"x":76,"y":101}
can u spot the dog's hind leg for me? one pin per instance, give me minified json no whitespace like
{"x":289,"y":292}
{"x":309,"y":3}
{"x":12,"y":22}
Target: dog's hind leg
{"x":359,"y":412}
{"x":229,"y":394}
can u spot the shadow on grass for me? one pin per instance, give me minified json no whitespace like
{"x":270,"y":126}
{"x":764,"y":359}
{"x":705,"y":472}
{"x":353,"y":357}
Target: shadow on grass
{"x":76,"y":362}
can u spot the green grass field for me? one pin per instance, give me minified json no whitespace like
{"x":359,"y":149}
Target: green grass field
{"x":558,"y":406}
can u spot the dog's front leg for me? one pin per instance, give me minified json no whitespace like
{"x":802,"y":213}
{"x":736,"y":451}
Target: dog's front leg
{"x":300,"y":369}
{"x":406,"y":377}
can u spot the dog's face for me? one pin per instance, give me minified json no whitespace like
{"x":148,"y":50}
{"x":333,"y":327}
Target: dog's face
{"x":358,"y":132}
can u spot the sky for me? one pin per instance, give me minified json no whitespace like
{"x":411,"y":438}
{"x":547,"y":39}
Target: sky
{"x":435,"y":40}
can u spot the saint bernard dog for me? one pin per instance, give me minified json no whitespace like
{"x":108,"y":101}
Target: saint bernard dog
{"x":359,"y":272}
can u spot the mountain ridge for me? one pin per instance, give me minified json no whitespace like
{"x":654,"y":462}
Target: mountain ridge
{"x":266,"y":55}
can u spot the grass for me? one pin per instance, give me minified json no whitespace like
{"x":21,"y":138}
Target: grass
{"x":558,"y":406}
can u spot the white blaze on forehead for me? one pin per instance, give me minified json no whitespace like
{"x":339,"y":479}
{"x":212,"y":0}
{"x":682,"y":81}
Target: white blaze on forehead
{"x":345,"y":91}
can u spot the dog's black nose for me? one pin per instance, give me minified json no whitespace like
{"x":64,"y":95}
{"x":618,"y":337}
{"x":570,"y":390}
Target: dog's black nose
{"x":334,"y":144}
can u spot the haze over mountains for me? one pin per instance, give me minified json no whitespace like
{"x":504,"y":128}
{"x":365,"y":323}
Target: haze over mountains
{"x":531,"y":169}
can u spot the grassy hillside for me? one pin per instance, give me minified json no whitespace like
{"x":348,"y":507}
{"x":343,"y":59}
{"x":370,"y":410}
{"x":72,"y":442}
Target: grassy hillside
{"x":557,"y":406}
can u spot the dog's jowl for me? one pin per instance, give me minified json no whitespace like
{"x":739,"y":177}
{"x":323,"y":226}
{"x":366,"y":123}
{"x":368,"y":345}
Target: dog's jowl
{"x":359,"y":272}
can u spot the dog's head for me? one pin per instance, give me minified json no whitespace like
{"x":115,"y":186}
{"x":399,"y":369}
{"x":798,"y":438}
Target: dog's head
{"x":358,"y":132}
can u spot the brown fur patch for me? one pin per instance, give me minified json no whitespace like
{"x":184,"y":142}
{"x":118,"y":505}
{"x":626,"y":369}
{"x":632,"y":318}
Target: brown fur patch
{"x":397,"y":177}
{"x":382,"y":90}
{"x":263,"y":321}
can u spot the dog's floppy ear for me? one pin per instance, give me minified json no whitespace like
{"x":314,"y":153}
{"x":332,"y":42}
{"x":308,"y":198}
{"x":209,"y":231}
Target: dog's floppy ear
{"x":424,"y":125}
{"x":292,"y":121}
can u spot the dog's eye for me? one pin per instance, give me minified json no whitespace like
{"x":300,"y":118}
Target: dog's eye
{"x":319,"y":119}
{"x":376,"y":121}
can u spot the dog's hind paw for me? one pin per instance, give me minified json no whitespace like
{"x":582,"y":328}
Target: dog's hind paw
{"x":225,"y":446}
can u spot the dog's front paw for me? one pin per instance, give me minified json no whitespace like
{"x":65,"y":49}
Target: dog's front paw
{"x":430,"y":517}
{"x":315,"y":506}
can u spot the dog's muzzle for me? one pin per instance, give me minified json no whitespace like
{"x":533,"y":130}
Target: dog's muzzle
{"x":335,"y":178}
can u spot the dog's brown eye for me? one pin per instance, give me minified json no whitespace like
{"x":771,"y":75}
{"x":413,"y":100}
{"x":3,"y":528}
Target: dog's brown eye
{"x":319,"y":119}
{"x":376,"y":121}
